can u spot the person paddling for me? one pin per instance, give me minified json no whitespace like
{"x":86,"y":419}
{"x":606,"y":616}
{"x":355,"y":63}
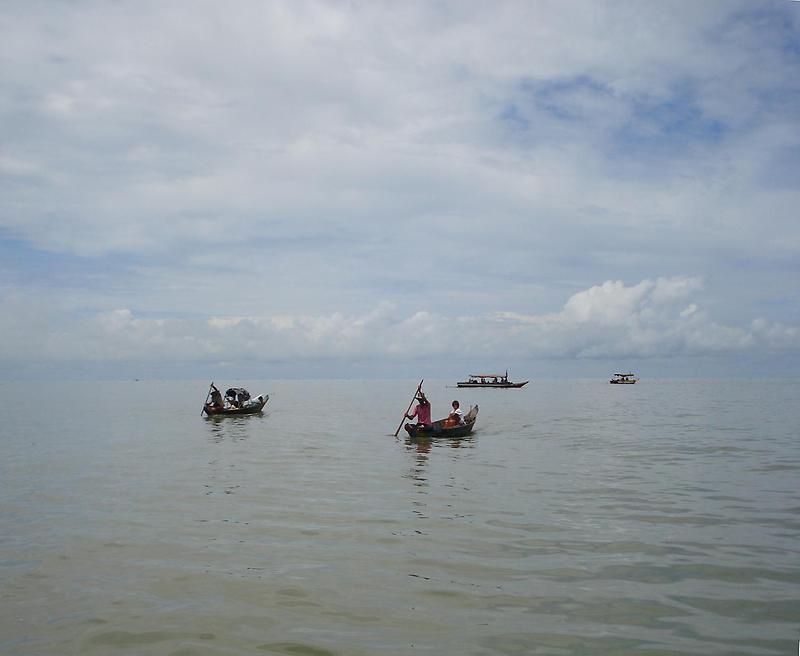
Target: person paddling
{"x":422,"y":411}
{"x":216,"y":398}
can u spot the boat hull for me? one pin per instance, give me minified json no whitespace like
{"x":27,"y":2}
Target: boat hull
{"x":415,"y":430}
{"x":441,"y":429}
{"x":493,"y":385}
{"x":622,"y":382}
{"x":212,"y":411}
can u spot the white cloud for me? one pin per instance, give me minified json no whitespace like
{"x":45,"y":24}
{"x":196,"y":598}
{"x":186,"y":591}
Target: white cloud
{"x":654,"y":318}
{"x":319,"y":113}
{"x":293,"y":163}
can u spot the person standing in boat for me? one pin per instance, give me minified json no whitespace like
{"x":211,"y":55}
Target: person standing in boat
{"x":422,"y":411}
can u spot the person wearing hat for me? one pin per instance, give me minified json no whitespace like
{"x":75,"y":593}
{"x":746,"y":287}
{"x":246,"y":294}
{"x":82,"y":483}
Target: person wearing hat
{"x":422,"y":411}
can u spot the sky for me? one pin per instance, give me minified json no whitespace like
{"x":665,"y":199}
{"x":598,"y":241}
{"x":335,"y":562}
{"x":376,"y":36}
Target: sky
{"x":399,"y":189}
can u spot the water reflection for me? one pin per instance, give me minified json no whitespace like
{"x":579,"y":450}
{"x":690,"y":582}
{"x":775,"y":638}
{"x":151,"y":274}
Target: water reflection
{"x":424,"y":443}
{"x":226,"y":473}
{"x":421,"y":447}
{"x":233,"y":428}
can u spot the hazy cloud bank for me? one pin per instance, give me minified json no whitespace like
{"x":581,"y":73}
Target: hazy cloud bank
{"x":652,"y":319}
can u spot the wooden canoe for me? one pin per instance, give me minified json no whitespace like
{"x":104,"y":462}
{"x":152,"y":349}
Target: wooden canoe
{"x":216,"y":411}
{"x":441,"y":429}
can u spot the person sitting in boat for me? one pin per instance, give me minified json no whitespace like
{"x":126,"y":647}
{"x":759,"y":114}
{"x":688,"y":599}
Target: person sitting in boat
{"x":236,"y":396}
{"x":455,"y":418}
{"x":422,"y":411}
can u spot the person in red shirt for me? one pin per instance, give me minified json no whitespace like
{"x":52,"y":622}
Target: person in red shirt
{"x":422,"y":411}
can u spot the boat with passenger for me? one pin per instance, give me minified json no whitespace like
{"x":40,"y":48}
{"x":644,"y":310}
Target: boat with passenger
{"x":237,"y":401}
{"x":490,"y":380}
{"x":445,"y":427}
{"x":623,"y":379}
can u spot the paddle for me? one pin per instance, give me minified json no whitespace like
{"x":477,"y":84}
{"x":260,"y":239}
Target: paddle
{"x":207,"y":395}
{"x":419,"y":387}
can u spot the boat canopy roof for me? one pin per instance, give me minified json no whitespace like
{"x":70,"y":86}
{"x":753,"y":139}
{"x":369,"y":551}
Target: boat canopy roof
{"x":488,"y":375}
{"x":624,"y":375}
{"x":233,"y":391}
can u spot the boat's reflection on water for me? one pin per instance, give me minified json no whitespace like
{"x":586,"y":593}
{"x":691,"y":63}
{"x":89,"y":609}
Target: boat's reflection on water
{"x":234,"y":428}
{"x":424,"y":443}
{"x":420,"y":447}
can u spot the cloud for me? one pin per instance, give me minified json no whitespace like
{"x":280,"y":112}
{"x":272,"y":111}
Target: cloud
{"x":296,"y":163}
{"x":329,"y":115}
{"x":652,"y":319}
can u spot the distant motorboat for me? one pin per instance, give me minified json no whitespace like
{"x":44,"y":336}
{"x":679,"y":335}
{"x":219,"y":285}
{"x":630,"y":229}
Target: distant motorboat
{"x":490,"y":380}
{"x":623,"y":379}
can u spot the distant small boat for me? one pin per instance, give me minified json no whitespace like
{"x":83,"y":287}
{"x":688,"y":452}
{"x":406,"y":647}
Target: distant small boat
{"x":623,"y":379}
{"x":442,"y":428}
{"x":237,"y":401}
{"x":490,"y":380}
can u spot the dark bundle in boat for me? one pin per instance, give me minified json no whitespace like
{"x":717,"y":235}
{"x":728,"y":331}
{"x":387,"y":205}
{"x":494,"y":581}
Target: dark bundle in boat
{"x":236,"y":396}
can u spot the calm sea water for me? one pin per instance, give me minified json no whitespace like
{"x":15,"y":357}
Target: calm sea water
{"x":579,"y":518}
